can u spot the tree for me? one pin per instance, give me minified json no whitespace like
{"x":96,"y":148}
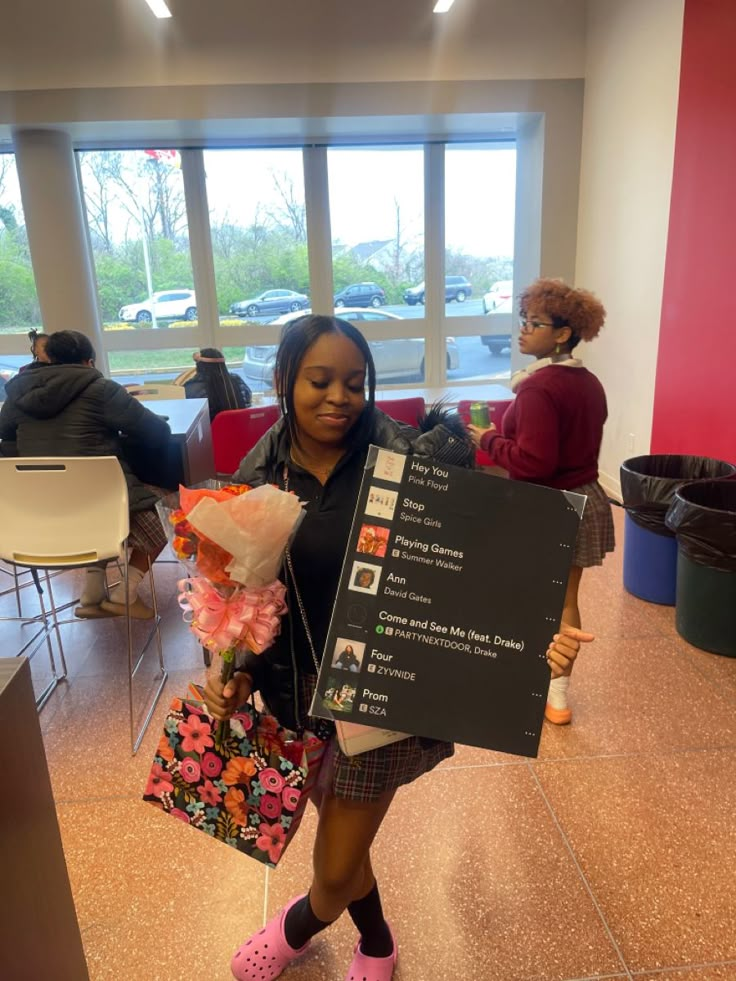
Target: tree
{"x":101,"y":172}
{"x":146,"y":189}
{"x":165,"y":197}
{"x":18,"y":300}
{"x":481,"y":271}
{"x":402,"y":261}
{"x":7,"y":211}
{"x":291,"y":213}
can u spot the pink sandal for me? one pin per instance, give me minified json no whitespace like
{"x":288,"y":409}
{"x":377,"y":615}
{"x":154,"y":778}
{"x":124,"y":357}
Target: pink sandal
{"x":366,"y":968}
{"x":266,"y":954}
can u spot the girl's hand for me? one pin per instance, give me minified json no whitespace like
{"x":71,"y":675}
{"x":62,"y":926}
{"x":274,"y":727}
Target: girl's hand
{"x":223,"y":701}
{"x":564,"y":649}
{"x":477,"y":434}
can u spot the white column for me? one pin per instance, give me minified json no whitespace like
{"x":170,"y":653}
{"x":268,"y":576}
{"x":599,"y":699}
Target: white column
{"x":57,"y":238}
{"x":434,"y":265}
{"x":528,"y":220}
{"x":319,"y":232}
{"x":200,"y":245}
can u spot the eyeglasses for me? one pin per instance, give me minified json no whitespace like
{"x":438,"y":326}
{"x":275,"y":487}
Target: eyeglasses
{"x":529,"y":325}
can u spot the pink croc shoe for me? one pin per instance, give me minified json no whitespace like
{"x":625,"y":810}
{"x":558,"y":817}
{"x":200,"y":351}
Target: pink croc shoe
{"x":266,"y":954}
{"x":366,"y":968}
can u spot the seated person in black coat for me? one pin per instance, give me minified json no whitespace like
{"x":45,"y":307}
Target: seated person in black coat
{"x":67,"y":408}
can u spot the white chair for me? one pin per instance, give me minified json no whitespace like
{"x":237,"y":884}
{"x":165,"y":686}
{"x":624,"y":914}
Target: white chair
{"x":151,"y":391}
{"x":69,"y":513}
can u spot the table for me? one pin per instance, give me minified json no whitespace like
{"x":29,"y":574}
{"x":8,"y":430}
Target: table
{"x":188,"y":458}
{"x":39,"y":933}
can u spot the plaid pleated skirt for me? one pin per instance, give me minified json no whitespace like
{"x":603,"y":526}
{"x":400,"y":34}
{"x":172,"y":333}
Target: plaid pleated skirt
{"x":365,"y":777}
{"x":596,"y":535}
{"x":146,"y":531}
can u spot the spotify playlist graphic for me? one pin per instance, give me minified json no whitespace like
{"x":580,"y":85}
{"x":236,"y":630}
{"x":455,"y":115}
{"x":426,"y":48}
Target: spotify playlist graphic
{"x":452,"y":587}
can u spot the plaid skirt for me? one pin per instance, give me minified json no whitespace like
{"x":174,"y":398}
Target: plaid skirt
{"x":365,"y":777}
{"x":595,"y":535}
{"x":146,"y":531}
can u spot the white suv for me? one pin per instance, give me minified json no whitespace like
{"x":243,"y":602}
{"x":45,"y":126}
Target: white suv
{"x":166,"y":305}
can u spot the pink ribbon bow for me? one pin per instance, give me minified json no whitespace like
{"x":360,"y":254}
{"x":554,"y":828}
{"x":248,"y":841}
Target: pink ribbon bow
{"x":249,"y":617}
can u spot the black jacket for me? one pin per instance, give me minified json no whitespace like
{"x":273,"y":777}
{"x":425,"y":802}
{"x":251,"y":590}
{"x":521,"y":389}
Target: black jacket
{"x":72,"y":410}
{"x":442,"y":437}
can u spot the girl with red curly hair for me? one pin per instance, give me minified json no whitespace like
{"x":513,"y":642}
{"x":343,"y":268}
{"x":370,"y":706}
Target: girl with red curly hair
{"x":552,"y":431}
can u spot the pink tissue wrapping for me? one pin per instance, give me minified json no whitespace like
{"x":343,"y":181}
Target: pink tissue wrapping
{"x":248,"y":617}
{"x":254,"y":528}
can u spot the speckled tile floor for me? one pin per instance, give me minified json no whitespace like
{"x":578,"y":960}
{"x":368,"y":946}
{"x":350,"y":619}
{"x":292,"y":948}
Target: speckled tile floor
{"x":610,"y":856}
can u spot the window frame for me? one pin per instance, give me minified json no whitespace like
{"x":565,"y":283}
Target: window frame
{"x":434,"y":327}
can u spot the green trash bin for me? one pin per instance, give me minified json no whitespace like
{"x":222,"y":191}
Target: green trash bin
{"x":703,"y":517}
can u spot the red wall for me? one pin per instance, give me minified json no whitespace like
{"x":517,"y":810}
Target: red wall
{"x":695,"y":390}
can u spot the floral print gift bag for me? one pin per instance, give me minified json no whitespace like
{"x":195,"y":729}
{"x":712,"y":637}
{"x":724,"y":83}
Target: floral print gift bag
{"x":247,"y":786}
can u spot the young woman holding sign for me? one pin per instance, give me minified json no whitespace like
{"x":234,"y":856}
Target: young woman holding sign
{"x":552,"y":431}
{"x":325,"y":379}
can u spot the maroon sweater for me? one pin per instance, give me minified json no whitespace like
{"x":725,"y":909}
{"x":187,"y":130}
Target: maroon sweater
{"x":552,"y":431}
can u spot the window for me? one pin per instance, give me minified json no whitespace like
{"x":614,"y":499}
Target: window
{"x":19,"y":310}
{"x":480,"y":188}
{"x":377,"y":219}
{"x":140,"y":240}
{"x":161,"y":365}
{"x":259,"y":232}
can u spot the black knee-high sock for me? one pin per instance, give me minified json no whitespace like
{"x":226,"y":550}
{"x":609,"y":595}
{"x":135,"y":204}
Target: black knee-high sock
{"x":301,"y":924}
{"x":367,"y":915}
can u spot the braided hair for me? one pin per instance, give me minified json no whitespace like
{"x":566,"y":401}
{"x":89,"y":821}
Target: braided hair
{"x":224,"y":390}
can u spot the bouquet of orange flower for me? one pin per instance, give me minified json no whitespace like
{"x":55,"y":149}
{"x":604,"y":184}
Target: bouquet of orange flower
{"x":234,"y":537}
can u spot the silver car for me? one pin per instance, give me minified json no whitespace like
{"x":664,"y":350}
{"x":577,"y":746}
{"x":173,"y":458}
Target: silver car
{"x":403,"y":357}
{"x":270,"y":302}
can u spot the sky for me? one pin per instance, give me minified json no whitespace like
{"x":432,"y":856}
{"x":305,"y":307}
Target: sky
{"x":366,"y":184}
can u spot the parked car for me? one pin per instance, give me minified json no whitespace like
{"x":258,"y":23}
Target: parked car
{"x":361,"y":295}
{"x":394,"y":358}
{"x":270,"y":302}
{"x":497,"y":327}
{"x":456,"y":288}
{"x":165,"y":305}
{"x":499,"y":293}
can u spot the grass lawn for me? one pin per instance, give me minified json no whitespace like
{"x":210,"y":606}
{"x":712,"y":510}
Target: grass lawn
{"x":176,"y":359}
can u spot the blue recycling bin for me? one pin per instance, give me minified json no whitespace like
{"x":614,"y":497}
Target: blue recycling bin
{"x":648,"y":487}
{"x":650,"y":564}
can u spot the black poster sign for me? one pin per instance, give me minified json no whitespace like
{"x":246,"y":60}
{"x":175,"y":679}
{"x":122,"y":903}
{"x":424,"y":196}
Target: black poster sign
{"x":452,"y":587}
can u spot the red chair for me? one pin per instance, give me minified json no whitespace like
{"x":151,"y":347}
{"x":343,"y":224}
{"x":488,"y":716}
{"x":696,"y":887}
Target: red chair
{"x":236,"y":431}
{"x":403,"y":410}
{"x":496,"y":411}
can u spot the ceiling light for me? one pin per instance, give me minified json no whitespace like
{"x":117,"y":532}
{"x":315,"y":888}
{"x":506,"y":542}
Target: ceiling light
{"x":160,"y":9}
{"x":441,"y":7}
